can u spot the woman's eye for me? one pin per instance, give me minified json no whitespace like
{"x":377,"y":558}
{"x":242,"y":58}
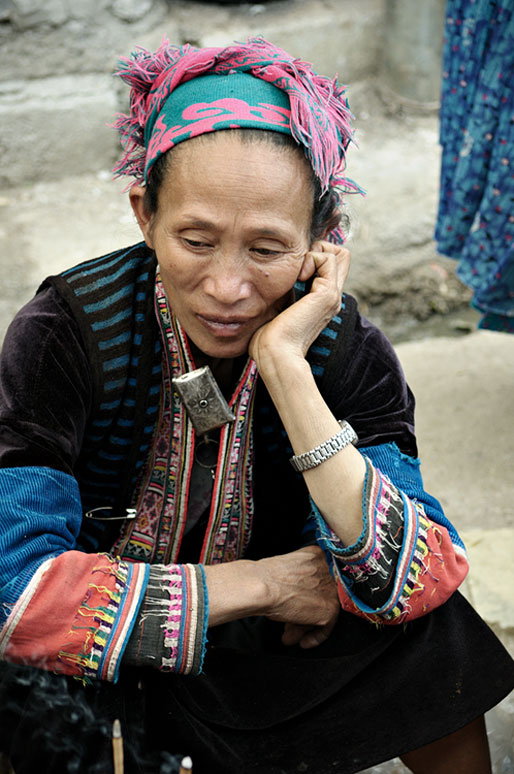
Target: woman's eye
{"x":265,"y":252}
{"x":195,"y":243}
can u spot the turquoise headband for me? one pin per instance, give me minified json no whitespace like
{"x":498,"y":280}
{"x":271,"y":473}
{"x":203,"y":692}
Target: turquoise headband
{"x":213,"y":102}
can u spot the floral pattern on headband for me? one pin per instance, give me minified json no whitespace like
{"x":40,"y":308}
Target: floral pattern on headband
{"x":205,"y":117}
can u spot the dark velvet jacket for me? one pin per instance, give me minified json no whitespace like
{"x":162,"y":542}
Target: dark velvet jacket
{"x":57,"y":411}
{"x":80,"y":384}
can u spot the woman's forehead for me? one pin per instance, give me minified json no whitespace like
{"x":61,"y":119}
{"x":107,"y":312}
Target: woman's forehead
{"x":224,"y":164}
{"x":211,"y":183}
{"x":238,"y":143}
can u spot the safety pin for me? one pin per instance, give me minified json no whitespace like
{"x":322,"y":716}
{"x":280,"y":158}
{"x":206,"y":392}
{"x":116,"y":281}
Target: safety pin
{"x":131,"y":514}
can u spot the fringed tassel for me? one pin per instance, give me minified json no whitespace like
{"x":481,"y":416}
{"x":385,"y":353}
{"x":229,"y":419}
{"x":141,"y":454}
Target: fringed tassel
{"x":320,"y":115}
{"x":101,"y":604}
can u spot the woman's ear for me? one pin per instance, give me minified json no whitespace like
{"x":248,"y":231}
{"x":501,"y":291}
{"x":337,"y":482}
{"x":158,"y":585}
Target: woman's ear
{"x":144,"y":220}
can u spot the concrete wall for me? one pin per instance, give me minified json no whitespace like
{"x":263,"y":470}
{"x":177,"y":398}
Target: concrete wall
{"x":412,"y":49}
{"x":57,"y":56}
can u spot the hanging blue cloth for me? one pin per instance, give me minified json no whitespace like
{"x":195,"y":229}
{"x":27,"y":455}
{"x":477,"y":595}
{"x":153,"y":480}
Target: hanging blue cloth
{"x":475,"y":222}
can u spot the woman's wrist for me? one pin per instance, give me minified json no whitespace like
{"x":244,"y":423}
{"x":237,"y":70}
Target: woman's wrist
{"x":235,"y":590}
{"x":280,"y":368}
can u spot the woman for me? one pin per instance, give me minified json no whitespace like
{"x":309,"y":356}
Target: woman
{"x":152,"y":526}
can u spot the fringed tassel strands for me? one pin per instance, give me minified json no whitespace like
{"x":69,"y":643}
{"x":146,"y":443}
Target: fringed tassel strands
{"x":320,"y":116}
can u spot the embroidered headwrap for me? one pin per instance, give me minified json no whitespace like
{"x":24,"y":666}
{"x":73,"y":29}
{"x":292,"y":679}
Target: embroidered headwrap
{"x":182,"y":92}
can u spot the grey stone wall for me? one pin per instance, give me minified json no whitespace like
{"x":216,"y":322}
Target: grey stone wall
{"x":57,"y":94}
{"x":412,"y":49}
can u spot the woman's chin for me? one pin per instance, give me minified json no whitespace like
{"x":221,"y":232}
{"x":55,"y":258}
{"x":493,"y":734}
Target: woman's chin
{"x":223,"y":349}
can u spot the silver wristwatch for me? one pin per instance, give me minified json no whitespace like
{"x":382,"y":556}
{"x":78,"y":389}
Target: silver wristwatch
{"x":324,"y":451}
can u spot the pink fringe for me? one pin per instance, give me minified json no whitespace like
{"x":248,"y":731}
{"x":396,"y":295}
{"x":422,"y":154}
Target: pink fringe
{"x":320,"y":116}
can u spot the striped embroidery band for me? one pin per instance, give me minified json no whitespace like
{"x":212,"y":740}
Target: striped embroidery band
{"x":182,"y":620}
{"x":156,"y":533}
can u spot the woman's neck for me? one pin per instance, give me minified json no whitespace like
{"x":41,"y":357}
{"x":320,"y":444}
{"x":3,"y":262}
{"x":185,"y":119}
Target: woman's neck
{"x":225,"y":370}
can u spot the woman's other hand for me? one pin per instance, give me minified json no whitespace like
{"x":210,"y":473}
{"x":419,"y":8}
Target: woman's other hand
{"x":295,"y":588}
{"x":300,"y":323}
{"x":303,"y":594}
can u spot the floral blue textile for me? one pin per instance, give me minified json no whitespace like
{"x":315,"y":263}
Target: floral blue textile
{"x":475,"y":222}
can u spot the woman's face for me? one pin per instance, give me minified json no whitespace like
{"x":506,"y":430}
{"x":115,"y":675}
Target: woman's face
{"x":230,"y":233}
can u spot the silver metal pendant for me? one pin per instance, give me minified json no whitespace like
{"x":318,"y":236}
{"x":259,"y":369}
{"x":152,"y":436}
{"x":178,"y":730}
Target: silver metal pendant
{"x":204,"y":402}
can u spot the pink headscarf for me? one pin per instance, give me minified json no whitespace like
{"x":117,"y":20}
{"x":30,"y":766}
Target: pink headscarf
{"x":320,"y":116}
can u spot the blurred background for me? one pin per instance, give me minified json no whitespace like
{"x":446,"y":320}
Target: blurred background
{"x":57,"y":96}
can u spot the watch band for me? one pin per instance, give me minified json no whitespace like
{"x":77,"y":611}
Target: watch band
{"x":324,"y":451}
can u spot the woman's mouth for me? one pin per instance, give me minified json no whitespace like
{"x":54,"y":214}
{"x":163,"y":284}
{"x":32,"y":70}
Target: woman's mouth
{"x":224,"y":326}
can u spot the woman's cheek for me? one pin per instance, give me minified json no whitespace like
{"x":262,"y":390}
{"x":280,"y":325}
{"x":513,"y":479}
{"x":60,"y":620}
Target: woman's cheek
{"x":276,"y":284}
{"x":284,"y":301}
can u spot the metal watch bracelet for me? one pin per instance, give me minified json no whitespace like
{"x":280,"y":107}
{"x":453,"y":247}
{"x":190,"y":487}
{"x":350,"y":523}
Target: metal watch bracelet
{"x":324,"y":451}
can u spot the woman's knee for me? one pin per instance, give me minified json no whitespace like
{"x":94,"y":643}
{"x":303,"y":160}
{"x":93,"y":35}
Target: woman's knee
{"x":466,"y":751}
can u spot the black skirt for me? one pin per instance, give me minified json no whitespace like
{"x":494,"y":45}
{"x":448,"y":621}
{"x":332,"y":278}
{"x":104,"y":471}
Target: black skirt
{"x":366,"y":695}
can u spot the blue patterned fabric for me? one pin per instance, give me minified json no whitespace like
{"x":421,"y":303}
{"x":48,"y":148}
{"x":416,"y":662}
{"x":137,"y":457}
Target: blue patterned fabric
{"x":405,"y":472}
{"x":475,"y":222}
{"x":39,"y":519}
{"x":113,"y":297}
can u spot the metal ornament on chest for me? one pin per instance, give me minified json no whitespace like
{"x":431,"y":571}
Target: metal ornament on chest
{"x":207,"y":409}
{"x":203,"y":400}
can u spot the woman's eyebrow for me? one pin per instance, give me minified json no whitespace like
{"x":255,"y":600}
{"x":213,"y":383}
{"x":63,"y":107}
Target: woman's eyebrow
{"x":271,"y":232}
{"x":198,"y":223}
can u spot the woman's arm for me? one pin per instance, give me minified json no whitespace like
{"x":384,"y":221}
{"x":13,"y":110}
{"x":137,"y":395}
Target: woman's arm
{"x":394,"y":553}
{"x":294,"y":587}
{"x":90,"y":611}
{"x":61,"y":608}
{"x":279,"y":349}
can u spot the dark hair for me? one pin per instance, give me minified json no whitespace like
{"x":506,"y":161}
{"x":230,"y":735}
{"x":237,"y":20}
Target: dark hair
{"x":325,"y":210}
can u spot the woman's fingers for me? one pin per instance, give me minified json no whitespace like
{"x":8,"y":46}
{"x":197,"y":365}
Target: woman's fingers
{"x":320,"y":253}
{"x":308,"y":636}
{"x":301,"y":590}
{"x":308,"y":268}
{"x":328,"y":266}
{"x":318,"y":634}
{"x":293,"y":633}
{"x":332,"y":265}
{"x":295,"y":328}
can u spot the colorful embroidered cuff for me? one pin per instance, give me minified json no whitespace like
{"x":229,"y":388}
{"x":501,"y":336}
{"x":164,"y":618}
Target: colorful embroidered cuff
{"x":170,"y":632}
{"x":430,"y":561}
{"x":76,"y":615}
{"x":369,"y":565}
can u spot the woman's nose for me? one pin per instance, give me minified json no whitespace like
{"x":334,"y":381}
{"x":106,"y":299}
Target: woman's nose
{"x":227,"y":281}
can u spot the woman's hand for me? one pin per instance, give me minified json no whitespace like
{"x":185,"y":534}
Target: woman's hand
{"x":299,"y":324}
{"x":295,"y":588}
{"x":303,"y":595}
